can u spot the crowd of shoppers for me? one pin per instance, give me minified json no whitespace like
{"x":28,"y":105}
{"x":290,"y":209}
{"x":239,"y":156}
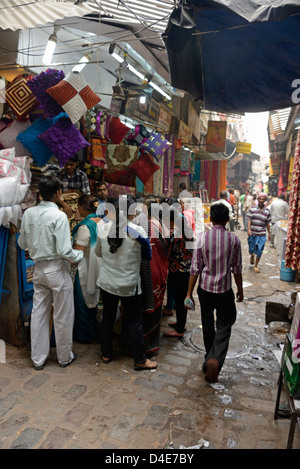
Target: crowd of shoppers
{"x":127,"y":258}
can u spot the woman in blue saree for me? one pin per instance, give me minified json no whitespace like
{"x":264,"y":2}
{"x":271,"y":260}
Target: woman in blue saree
{"x":86,"y":293}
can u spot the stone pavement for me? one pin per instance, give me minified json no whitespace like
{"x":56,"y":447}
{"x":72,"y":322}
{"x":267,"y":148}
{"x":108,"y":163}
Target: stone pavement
{"x":91,"y":405}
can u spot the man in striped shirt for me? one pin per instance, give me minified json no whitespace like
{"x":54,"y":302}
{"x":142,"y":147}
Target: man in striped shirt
{"x":259,"y":219}
{"x":216,"y":257}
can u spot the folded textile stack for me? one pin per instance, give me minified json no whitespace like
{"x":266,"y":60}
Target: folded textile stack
{"x":15,"y":178}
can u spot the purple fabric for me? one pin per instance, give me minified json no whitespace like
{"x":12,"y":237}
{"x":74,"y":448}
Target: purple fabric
{"x":156,"y":144}
{"x":98,"y":124}
{"x":40,"y":83}
{"x":64,"y":140}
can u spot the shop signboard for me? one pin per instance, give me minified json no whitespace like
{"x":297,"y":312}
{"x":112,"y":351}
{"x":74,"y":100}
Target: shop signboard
{"x":243,"y":147}
{"x":216,"y":136}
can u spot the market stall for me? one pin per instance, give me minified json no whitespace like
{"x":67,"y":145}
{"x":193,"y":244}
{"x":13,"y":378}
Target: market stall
{"x":47,"y":119}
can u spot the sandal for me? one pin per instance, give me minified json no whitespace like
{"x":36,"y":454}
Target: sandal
{"x":105,"y":360}
{"x":256,"y":269}
{"x":148,"y":365}
{"x":172,"y":324}
{"x":174,"y":334}
{"x":252,"y":259}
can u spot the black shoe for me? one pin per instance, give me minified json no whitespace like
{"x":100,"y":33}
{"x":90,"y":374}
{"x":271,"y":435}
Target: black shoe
{"x":64,"y":365}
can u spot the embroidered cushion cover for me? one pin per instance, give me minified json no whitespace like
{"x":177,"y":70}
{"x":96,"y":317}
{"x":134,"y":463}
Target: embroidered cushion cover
{"x":40,"y":83}
{"x":156,"y":144}
{"x":121,"y":156}
{"x":144,"y":167}
{"x":74,"y":95}
{"x":20,"y":98}
{"x":63,"y":139}
{"x":29,"y":138}
{"x":117,"y":130}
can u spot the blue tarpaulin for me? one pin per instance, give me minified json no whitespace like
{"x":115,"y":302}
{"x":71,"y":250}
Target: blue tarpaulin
{"x":236,"y":56}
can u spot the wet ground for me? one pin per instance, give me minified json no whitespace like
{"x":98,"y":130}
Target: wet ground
{"x":90,"y":405}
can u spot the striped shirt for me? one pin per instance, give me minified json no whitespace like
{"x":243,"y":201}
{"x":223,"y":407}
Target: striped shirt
{"x":218,"y":254}
{"x":260,"y":218}
{"x":78,"y":182}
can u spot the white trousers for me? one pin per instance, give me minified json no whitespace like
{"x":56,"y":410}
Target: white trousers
{"x":52,"y":285}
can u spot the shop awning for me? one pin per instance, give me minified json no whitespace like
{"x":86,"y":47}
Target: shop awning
{"x":24,"y":14}
{"x":235,"y":55}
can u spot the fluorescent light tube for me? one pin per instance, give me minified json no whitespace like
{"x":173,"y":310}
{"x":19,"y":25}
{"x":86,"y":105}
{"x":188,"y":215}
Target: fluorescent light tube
{"x":142,"y":77}
{"x":50,"y":48}
{"x":117,"y":57}
{"x":157,"y":88}
{"x":82,"y":63}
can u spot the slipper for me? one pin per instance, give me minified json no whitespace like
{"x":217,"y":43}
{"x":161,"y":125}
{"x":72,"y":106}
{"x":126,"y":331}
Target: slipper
{"x":148,"y":365}
{"x":167,"y":312}
{"x":105,"y":360}
{"x":173,"y":334}
{"x":256,"y":269}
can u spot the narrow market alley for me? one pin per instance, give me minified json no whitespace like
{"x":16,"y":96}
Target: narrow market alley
{"x":91,"y":405}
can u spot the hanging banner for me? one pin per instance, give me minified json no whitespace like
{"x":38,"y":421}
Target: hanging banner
{"x":164,"y":120}
{"x":184,"y":133}
{"x":243,"y":147}
{"x":216,"y":136}
{"x":185,"y":162}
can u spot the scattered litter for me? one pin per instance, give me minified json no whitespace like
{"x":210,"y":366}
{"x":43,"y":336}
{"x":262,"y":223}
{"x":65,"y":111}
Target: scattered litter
{"x":256,"y":357}
{"x":231,"y":443}
{"x":272,"y":265}
{"x":176,"y":412}
{"x":225,"y":399}
{"x":125,"y":371}
{"x":275,"y":276}
{"x":199,"y":445}
{"x":228,"y":413}
{"x":246,"y":284}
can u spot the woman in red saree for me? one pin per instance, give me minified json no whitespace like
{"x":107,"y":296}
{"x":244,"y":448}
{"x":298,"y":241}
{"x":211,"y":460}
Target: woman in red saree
{"x":154,"y":278}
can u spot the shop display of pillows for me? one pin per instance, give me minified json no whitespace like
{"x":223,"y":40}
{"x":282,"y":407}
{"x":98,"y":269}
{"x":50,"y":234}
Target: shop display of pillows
{"x":63,"y":139}
{"x":156,"y":144}
{"x":20,"y":98}
{"x":29,"y":138}
{"x":120,"y":157}
{"x":117,"y":130}
{"x":144,"y":167}
{"x":8,"y":137}
{"x":74,"y":95}
{"x":40,"y":83}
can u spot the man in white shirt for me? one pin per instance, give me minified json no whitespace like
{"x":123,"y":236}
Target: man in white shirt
{"x":45,"y":233}
{"x":279,"y":210}
{"x":223,"y":200}
{"x":184,"y":193}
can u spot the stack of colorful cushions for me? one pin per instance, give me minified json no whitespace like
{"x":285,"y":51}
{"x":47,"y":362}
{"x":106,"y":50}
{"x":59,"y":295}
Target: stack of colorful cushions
{"x":63,"y":101}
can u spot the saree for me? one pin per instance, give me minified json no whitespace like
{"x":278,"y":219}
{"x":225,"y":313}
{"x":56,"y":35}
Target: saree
{"x":86,"y":294}
{"x":152,"y":311}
